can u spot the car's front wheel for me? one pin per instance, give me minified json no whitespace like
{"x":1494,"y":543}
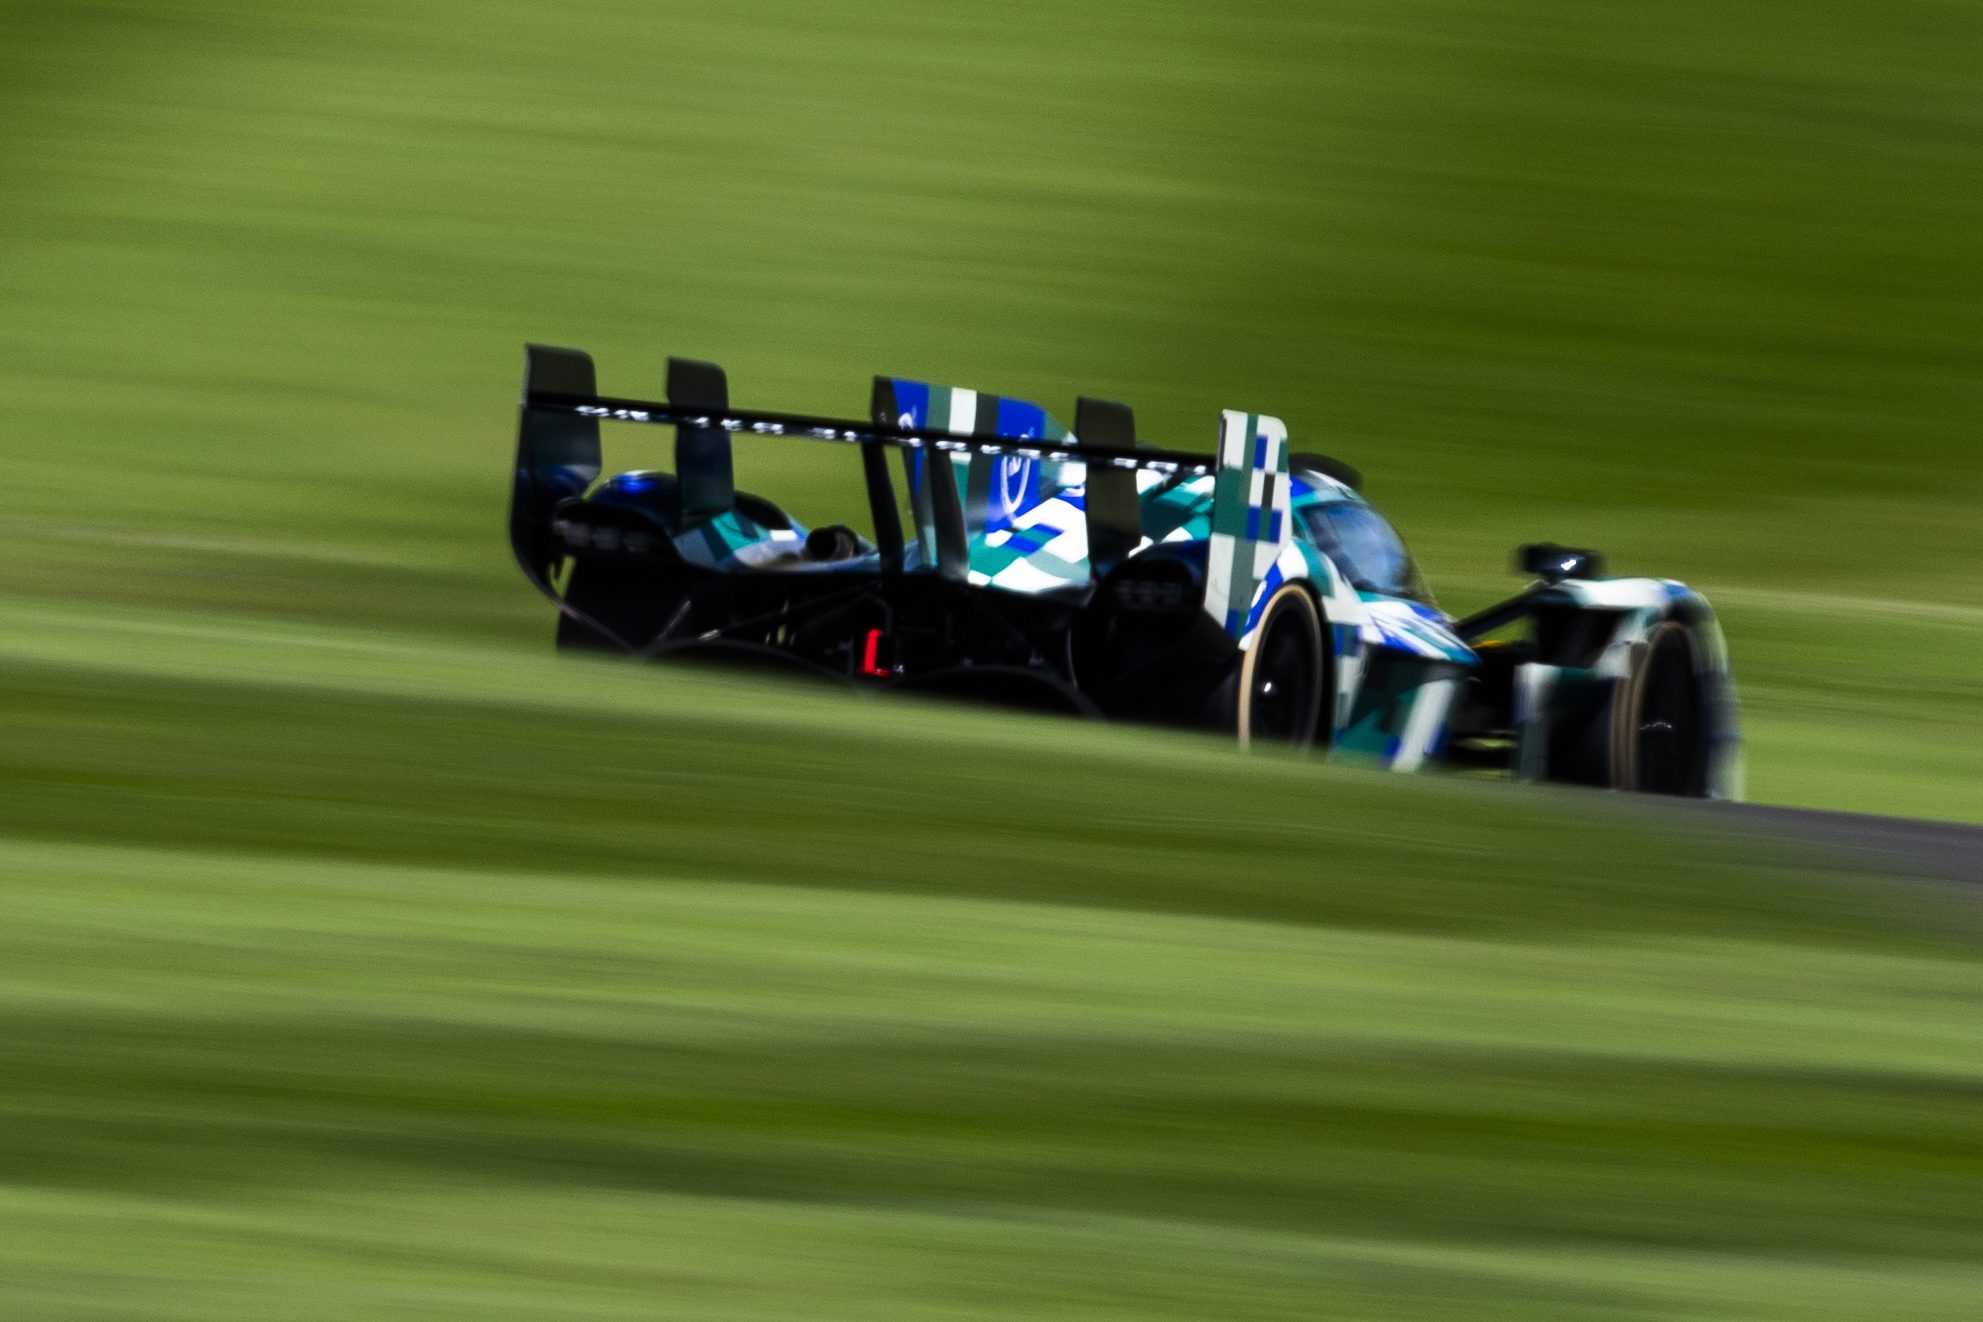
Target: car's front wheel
{"x":1659,"y":734}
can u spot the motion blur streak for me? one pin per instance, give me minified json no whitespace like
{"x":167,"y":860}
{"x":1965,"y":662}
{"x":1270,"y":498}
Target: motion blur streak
{"x":394,"y":980}
{"x":1692,"y":283}
{"x":359,"y":961}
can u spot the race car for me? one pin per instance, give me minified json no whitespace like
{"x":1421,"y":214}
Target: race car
{"x":1007,"y":558}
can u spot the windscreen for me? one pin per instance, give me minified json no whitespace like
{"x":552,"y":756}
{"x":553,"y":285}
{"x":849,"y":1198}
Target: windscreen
{"x":1366,"y":547}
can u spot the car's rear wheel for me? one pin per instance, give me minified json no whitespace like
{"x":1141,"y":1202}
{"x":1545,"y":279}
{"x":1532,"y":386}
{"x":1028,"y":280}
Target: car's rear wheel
{"x":1279,"y":698}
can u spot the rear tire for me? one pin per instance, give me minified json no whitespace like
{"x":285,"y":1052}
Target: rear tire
{"x":1279,"y":697}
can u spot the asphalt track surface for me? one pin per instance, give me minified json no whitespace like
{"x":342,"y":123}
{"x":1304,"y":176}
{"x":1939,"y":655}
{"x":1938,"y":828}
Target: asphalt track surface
{"x":1896,"y":847}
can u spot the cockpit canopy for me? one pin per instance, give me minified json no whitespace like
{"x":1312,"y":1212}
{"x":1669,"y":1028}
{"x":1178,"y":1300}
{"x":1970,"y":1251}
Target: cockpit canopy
{"x":1365,"y":546}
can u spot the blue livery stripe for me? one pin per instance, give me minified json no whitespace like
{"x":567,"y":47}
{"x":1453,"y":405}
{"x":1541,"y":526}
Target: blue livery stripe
{"x":912,"y":398}
{"x":1275,"y":577}
{"x":1028,"y":540}
{"x":1018,"y":417}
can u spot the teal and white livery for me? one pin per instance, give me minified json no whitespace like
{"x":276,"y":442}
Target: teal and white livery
{"x":1007,"y":557}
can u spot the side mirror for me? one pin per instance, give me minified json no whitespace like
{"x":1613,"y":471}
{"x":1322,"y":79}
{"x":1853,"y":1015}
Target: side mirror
{"x":1552,"y":563}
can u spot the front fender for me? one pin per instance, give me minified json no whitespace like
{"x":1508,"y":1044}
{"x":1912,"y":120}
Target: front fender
{"x":1590,"y":636}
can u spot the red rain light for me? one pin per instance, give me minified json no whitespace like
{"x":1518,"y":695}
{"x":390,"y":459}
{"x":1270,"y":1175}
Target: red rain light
{"x":871,"y":656}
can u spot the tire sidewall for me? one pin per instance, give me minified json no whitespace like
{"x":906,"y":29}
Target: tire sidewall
{"x":1628,"y":706}
{"x":1291,"y":606}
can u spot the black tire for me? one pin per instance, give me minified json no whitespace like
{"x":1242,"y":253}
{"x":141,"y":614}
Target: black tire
{"x":1279,"y":693}
{"x":1659,"y":718}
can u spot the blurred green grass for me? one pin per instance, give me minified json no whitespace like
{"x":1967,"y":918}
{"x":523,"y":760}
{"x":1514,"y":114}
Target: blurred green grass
{"x":358,"y":959}
{"x":1693,"y":284}
{"x":346,"y":976}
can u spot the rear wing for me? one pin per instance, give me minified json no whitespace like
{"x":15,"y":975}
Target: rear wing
{"x":558,"y":457}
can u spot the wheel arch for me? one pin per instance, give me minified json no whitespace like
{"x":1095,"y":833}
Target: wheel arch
{"x":1641,"y":609}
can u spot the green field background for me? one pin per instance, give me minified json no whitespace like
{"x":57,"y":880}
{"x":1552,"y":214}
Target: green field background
{"x":359,"y":960}
{"x":1696,"y":284}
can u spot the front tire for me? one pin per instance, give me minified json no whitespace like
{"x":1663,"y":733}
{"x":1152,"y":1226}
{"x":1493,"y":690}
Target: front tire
{"x":1279,"y":698}
{"x":1659,"y":732}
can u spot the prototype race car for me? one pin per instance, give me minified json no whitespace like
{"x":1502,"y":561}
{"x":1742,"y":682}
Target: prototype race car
{"x":1254,"y":591}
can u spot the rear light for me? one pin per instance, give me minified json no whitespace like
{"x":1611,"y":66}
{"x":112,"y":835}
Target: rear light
{"x":1160,"y":587}
{"x":871,"y":663}
{"x":609,"y":532}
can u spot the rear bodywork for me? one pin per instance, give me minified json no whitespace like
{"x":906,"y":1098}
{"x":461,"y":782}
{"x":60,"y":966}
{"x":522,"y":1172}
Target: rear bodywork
{"x":1005,"y":556}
